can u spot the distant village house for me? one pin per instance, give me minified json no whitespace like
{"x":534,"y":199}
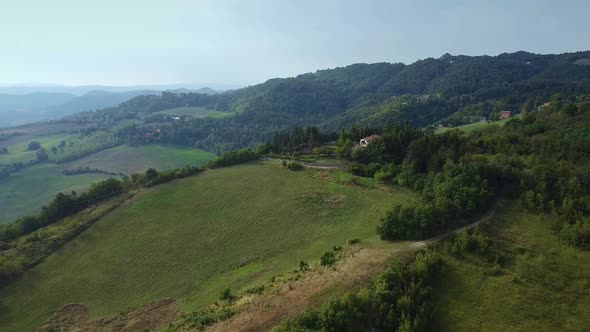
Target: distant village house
{"x":505,"y":115}
{"x":367,"y":140}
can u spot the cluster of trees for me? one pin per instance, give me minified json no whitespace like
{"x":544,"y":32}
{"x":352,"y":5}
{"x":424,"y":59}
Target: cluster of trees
{"x":390,"y":147}
{"x":152,"y":177}
{"x":87,"y":170}
{"x":469,"y":241}
{"x":455,"y":192}
{"x":7,"y":169}
{"x":63,"y":205}
{"x":458,"y":174}
{"x":81,"y":147}
{"x":229,"y":158}
{"x":399,"y":300}
{"x":33,"y":145}
{"x":298,"y":140}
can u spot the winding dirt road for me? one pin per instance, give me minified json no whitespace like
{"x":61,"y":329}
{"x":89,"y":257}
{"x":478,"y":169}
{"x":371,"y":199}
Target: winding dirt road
{"x":262,"y":312}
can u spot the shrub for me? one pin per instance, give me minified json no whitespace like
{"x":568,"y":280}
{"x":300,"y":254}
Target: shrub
{"x":226,"y":294}
{"x":303,"y":266}
{"x":493,"y":270}
{"x":353,"y":241}
{"x":468,"y":241}
{"x":386,"y":173}
{"x":255,"y":289}
{"x":328,"y":259}
{"x":294,"y":166}
{"x":41,"y":154}
{"x":320,"y":150}
{"x":33,"y":145}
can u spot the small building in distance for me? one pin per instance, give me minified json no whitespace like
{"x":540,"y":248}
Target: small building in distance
{"x":505,"y":115}
{"x":364,"y":142}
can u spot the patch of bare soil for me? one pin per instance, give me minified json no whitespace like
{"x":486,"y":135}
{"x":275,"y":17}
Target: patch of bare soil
{"x":74,"y":317}
{"x":261,"y":313}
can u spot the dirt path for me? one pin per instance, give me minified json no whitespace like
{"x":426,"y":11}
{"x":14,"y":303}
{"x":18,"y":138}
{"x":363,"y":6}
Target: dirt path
{"x":485,"y":218}
{"x":314,"y":165}
{"x":261,"y":313}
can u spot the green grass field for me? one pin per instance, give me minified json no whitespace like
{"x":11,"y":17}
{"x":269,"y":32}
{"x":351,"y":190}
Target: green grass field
{"x":26,"y":191}
{"x":555,"y":298}
{"x":128,"y":159}
{"x":475,"y":126}
{"x":198,"y":112}
{"x":232,"y":227}
{"x":19,"y":153}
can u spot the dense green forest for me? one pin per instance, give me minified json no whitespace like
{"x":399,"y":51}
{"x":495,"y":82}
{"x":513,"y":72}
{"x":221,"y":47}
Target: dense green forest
{"x":445,"y":90}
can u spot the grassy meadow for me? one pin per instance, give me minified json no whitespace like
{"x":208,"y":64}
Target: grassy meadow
{"x":549,"y":295}
{"x":232,"y":227}
{"x":18,"y":151}
{"x":27,"y":190}
{"x":198,"y":112}
{"x":475,"y":126}
{"x":129,"y":159}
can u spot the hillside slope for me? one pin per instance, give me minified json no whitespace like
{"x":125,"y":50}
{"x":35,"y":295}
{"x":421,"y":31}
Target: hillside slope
{"x":421,"y":93}
{"x":534,"y":283}
{"x":181,"y":240}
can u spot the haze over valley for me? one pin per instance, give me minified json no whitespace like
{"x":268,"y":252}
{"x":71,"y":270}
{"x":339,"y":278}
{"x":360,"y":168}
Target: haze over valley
{"x":342,"y":166}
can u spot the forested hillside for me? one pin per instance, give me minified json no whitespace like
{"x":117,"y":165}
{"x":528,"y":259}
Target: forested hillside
{"x":448,"y":89}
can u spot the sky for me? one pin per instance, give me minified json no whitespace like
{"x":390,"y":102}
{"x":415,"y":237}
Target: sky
{"x":130,"y":42}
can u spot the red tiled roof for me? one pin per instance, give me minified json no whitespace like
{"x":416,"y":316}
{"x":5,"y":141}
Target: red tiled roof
{"x":370,"y":138}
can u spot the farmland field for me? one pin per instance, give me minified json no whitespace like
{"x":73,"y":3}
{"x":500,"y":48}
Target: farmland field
{"x":25,"y":191}
{"x":17,"y":146}
{"x":232,"y":227}
{"x":128,"y":159}
{"x":47,"y":128}
{"x":550,"y":295}
{"x":198,"y":112}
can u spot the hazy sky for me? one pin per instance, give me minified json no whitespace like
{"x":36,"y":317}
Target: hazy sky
{"x":122,"y":42}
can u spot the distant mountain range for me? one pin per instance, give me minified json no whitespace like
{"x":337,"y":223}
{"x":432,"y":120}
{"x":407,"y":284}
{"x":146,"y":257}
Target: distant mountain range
{"x":448,"y":89}
{"x":27,"y":88}
{"x":19,"y":108}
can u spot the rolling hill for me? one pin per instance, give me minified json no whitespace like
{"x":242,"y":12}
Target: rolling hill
{"x":48,"y":179}
{"x":125,"y":259}
{"x":421,"y":93}
{"x":49,"y":103}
